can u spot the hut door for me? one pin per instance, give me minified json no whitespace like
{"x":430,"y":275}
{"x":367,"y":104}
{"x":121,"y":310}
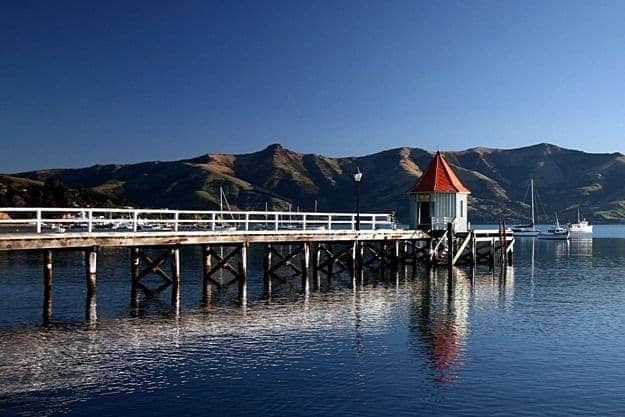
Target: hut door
{"x":424,"y":213}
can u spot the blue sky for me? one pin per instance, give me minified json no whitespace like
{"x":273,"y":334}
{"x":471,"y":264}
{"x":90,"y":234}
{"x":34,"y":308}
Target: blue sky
{"x":115,"y":82}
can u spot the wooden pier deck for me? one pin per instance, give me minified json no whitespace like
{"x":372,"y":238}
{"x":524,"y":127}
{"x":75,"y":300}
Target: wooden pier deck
{"x":318,"y":244}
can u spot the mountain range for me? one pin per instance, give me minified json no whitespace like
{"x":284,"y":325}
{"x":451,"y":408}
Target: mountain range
{"x":283,"y":179}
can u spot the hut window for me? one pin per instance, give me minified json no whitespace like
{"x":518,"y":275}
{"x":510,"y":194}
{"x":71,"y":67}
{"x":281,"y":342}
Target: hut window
{"x":461,"y":208}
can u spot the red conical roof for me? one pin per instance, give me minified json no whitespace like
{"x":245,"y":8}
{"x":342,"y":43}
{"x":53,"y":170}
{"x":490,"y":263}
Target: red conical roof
{"x":439,"y":177}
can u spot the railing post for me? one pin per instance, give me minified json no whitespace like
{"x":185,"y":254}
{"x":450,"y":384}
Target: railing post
{"x":38,"y":221}
{"x":304,"y":222}
{"x":373,"y":222}
{"x":353,"y":222}
{"x":176,"y":218}
{"x":135,"y":217}
{"x":329,"y":222}
{"x":213,"y":222}
{"x":247,"y":221}
{"x":90,"y":221}
{"x":277,"y":221}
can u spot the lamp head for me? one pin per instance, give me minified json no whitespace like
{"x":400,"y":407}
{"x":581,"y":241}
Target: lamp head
{"x":357,"y":175}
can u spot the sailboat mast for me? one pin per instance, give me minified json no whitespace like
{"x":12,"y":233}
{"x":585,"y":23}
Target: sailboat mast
{"x":532,"y":193}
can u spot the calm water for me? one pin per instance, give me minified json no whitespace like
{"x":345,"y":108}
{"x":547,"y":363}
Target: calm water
{"x":548,"y":340}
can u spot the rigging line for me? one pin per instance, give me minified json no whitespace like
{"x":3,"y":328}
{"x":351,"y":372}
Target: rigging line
{"x":540,"y":203}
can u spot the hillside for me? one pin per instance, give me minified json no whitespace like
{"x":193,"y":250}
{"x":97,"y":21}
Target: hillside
{"x":565,"y":179}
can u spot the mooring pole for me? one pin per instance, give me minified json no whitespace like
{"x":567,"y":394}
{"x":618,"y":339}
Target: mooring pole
{"x":91,"y":260}
{"x":47,"y":285}
{"x":175,"y":279}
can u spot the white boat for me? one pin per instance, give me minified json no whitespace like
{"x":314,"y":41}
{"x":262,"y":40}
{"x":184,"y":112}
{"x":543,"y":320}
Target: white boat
{"x":224,"y":226}
{"x":582,"y":225}
{"x":556,"y":233}
{"x":527,"y":230}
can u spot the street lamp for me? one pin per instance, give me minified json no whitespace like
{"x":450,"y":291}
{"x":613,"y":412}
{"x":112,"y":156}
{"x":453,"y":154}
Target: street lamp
{"x":357,"y":178}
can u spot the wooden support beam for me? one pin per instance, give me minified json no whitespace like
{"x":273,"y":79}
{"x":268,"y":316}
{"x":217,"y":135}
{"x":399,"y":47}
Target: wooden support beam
{"x":473,"y":249}
{"x":154,"y":266}
{"x":267,"y":276}
{"x":223,"y":262}
{"x":306,"y":268}
{"x":450,"y":244}
{"x":315,"y":266}
{"x":332,"y":259}
{"x":175,"y":279}
{"x":286,"y":261}
{"x":510,"y":252}
{"x":462,"y":248}
{"x":91,"y":257}
{"x":47,"y":286}
{"x":134,"y":273}
{"x":207,"y":287}
{"x":243,"y":272}
{"x":397,"y":256}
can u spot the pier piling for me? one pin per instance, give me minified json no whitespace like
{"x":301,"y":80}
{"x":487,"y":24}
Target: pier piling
{"x":47,"y":285}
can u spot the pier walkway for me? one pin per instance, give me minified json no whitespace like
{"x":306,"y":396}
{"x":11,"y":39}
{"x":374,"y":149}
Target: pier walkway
{"x":307,"y":245}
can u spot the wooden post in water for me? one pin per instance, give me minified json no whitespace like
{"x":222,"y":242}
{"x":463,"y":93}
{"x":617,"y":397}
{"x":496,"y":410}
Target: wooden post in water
{"x":450,"y":245}
{"x":175,"y":280}
{"x":492,"y":253}
{"x":397,"y":256}
{"x":267,"y":263}
{"x":306,"y":268}
{"x":47,"y":285}
{"x":91,"y":260}
{"x":134,"y":275}
{"x":243,"y":272}
{"x":316,"y":259}
{"x":207,"y":287}
{"x":473,"y":249}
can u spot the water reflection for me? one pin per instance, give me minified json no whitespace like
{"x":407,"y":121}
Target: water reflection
{"x":440,"y":308}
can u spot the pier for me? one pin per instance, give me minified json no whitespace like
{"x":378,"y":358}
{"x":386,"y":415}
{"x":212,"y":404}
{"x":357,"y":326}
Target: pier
{"x":298,"y":246}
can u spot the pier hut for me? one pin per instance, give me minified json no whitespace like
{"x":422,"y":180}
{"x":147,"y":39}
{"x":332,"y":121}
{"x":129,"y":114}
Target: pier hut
{"x":439,"y":198}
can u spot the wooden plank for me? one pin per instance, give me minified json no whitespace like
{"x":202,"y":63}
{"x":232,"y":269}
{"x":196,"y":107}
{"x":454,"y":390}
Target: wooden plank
{"x":462,"y":248}
{"x":34,"y":241}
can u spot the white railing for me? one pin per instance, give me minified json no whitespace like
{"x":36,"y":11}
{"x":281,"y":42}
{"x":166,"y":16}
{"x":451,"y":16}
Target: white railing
{"x":440,"y":223}
{"x":98,"y":220}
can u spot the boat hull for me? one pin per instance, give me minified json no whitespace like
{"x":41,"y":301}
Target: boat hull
{"x":554,"y":236}
{"x":526,"y":233}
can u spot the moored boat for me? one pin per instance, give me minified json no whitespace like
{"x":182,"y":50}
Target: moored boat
{"x":527,"y":230}
{"x":556,"y":233}
{"x":582,"y":225}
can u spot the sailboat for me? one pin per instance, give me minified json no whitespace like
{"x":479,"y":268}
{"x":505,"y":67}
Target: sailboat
{"x":556,"y":233}
{"x":224,"y":227}
{"x":582,"y":225}
{"x":527,"y":230}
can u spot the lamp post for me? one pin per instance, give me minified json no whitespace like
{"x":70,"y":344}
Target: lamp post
{"x":357,"y":178}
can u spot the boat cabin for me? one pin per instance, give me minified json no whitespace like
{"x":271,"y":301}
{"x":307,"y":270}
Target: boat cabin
{"x":438,"y":198}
